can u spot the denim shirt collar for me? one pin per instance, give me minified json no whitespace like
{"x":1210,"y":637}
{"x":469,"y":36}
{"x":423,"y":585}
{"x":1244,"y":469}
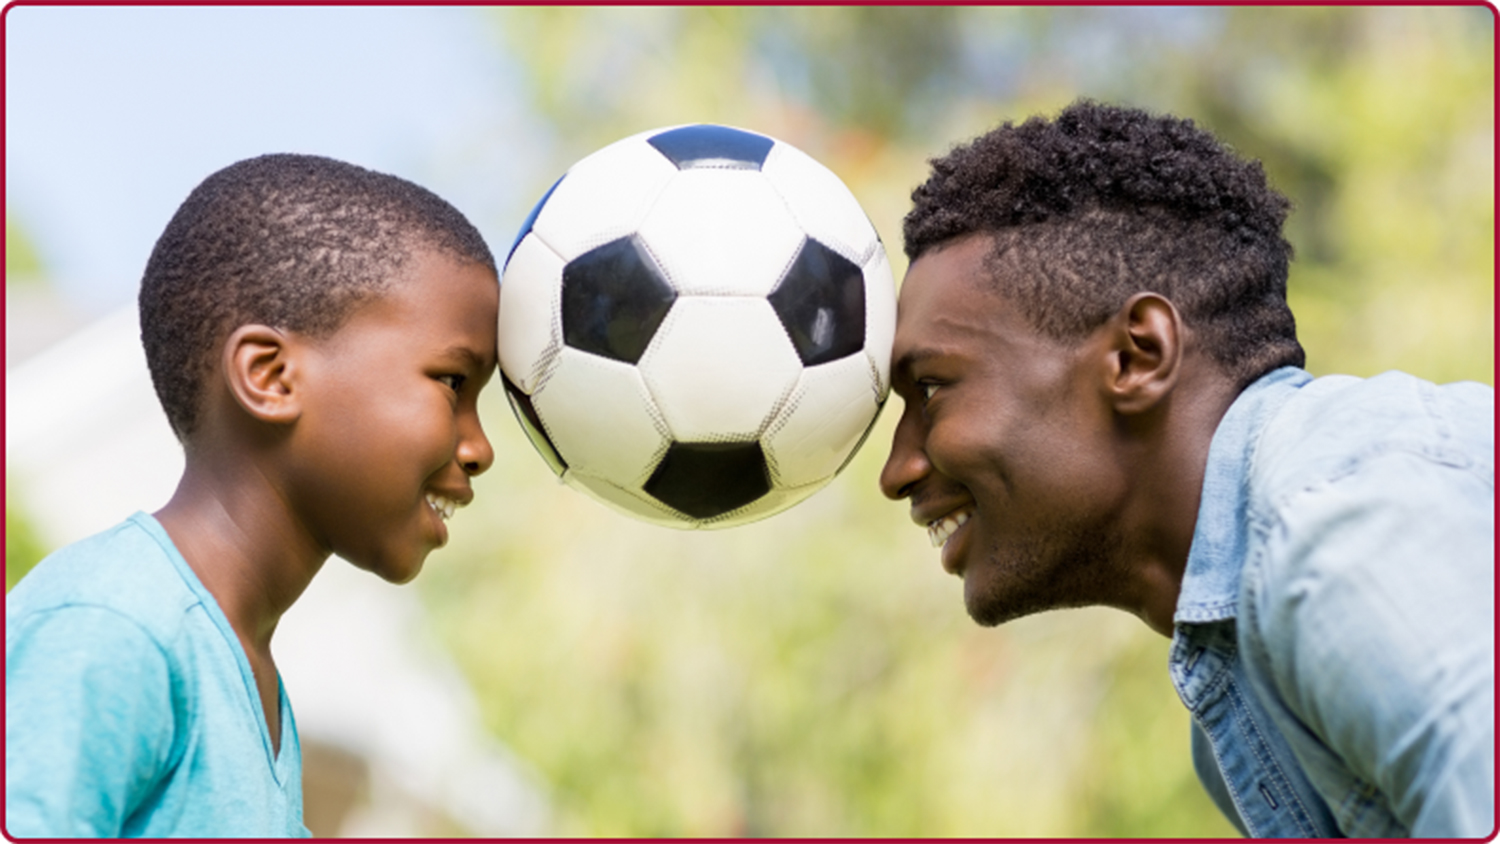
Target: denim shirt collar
{"x":1211,"y":582}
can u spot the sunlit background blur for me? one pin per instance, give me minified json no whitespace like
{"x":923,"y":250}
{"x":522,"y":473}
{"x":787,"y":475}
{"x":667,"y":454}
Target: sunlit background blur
{"x":813,"y":674}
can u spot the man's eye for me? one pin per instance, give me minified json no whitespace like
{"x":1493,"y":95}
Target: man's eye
{"x":454,"y":382}
{"x":928,"y":388}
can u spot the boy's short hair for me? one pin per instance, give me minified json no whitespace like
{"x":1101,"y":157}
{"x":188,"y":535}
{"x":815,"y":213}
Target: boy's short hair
{"x":290,"y":241}
{"x":1105,"y":202}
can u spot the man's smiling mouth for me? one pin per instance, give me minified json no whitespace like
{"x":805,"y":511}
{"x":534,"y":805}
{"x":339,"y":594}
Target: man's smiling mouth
{"x":939,"y":530}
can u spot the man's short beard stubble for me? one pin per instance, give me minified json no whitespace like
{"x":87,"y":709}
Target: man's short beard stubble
{"x":1068,"y":567}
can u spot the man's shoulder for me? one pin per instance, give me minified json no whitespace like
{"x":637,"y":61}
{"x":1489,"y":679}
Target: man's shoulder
{"x":1371,"y":569}
{"x":1352,"y":479}
{"x":1336,"y":425}
{"x":124,"y":570}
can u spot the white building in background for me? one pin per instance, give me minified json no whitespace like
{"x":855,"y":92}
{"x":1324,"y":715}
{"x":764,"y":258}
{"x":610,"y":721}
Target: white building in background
{"x":392,"y":740}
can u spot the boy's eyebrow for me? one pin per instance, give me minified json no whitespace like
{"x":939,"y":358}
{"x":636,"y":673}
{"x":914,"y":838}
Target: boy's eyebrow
{"x":467,"y":354}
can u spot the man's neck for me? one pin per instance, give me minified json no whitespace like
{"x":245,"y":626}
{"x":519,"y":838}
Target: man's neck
{"x":1163,"y":513}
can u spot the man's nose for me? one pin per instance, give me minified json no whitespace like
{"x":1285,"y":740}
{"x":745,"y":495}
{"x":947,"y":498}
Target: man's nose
{"x":907,"y":463}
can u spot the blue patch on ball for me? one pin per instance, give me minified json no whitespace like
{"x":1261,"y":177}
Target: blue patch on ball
{"x":531,"y":219}
{"x":707,"y":145}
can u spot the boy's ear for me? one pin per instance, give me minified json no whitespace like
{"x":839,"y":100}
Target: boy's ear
{"x":261,"y":371}
{"x":1145,"y":353}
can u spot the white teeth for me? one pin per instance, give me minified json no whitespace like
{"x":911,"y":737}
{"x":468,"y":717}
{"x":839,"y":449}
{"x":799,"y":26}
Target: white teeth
{"x":442,"y":505}
{"x":940,"y":530}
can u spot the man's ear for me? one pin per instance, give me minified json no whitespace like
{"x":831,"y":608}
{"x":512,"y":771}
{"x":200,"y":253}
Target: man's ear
{"x":261,"y":370}
{"x":1145,"y":353}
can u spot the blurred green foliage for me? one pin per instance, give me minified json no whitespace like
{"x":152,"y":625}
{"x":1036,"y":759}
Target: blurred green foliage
{"x":21,"y":260}
{"x":815,"y":674}
{"x":24,"y":547}
{"x":23,"y":264}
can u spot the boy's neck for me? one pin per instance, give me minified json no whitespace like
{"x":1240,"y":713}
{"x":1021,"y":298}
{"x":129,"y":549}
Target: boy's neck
{"x":241,"y":540}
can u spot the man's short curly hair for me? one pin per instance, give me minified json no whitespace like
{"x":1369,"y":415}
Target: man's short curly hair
{"x":290,"y":241}
{"x":1104,"y":202}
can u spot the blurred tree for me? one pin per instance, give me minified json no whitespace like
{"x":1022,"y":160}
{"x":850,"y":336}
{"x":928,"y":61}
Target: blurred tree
{"x":22,"y":262}
{"x":1380,"y":127}
{"x":804,"y":676}
{"x":23,"y":546}
{"x":886,"y":70}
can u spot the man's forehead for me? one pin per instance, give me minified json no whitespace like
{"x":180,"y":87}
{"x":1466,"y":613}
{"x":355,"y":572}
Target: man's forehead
{"x":950,"y":309}
{"x":938,"y":333}
{"x":955,"y":269}
{"x":948,"y":289}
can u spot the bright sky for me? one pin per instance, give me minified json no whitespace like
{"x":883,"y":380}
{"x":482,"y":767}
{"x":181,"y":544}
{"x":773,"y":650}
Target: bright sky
{"x":112,"y":115}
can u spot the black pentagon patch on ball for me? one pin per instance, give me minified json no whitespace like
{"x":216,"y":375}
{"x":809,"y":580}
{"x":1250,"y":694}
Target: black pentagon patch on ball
{"x":613,"y":299}
{"x":705,"y":480}
{"x":707,"y":145}
{"x":821,"y":303}
{"x":531,"y":220}
{"x":531,"y":423}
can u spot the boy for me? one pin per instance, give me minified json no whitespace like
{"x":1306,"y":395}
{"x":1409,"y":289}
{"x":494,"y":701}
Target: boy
{"x":318,"y":335}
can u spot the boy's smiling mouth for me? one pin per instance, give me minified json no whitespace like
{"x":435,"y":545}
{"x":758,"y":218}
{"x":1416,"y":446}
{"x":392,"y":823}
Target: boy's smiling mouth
{"x":442,"y":505}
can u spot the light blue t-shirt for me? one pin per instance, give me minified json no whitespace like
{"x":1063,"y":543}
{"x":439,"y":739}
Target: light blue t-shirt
{"x":130,"y":706}
{"x":1336,"y":626}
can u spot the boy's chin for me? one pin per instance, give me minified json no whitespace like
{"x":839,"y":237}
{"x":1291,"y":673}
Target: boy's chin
{"x":393,"y":571}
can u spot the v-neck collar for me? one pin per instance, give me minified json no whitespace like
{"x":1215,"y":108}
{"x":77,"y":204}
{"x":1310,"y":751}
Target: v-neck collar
{"x":276,"y":758}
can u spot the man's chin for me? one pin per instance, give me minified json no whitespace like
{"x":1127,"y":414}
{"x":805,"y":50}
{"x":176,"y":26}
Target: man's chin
{"x":986,"y":608}
{"x":992,"y":601}
{"x":1027,"y":578}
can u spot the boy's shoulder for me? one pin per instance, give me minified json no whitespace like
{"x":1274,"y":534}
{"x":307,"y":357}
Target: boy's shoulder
{"x":131,"y":569}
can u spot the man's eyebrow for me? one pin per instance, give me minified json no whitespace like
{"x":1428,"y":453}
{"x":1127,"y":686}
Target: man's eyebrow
{"x":913,"y":357}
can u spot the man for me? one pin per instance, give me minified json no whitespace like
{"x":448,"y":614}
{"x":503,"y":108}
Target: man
{"x":1104,"y":404}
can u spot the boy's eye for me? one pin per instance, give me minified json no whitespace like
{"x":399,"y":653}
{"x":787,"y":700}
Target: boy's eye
{"x":454,"y":382}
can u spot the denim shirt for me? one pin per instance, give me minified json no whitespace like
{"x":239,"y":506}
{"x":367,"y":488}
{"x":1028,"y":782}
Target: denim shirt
{"x":1335,"y":630}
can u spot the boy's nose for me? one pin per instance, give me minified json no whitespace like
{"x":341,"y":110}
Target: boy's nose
{"x":907,"y":463}
{"x":475,"y":453}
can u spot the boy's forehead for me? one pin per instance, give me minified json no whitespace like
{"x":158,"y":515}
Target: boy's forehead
{"x":431,"y":273}
{"x":423,"y":259}
{"x":437,"y":294}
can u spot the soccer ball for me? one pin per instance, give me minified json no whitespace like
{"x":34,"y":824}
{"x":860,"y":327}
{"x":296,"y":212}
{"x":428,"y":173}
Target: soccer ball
{"x":696,"y":326}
